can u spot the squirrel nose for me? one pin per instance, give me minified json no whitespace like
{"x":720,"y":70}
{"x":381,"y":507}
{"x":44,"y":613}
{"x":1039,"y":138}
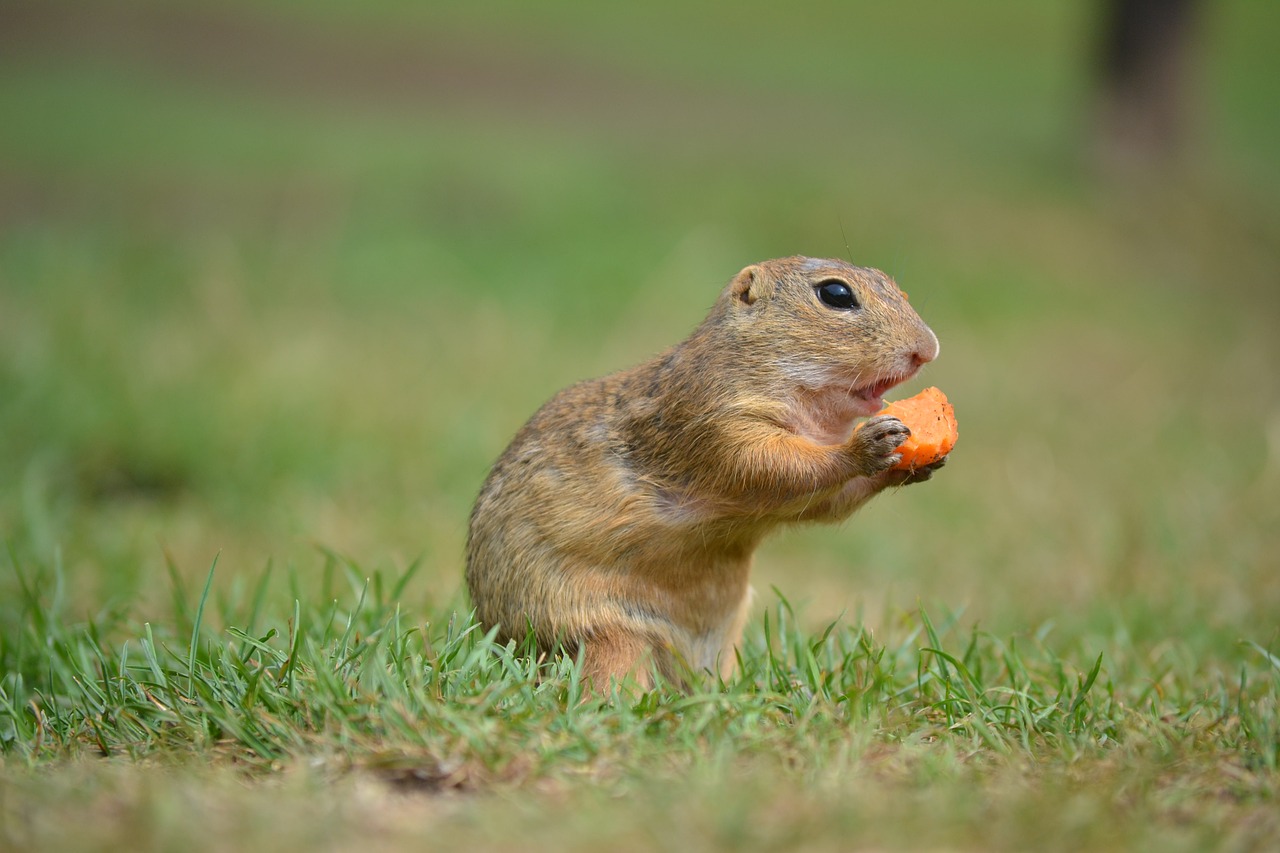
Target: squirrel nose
{"x":927,"y":350}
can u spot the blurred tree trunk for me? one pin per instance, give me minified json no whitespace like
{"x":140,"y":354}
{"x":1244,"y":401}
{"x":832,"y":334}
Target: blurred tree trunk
{"x":1146,"y":50}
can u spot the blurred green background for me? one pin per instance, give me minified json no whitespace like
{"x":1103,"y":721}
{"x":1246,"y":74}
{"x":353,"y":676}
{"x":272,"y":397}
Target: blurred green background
{"x":279,"y":277}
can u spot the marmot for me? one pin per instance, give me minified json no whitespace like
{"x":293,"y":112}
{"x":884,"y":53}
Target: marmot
{"x":620,"y":522}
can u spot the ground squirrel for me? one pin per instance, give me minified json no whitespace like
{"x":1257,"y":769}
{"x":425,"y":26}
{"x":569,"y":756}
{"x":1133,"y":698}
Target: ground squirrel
{"x":621,"y":520}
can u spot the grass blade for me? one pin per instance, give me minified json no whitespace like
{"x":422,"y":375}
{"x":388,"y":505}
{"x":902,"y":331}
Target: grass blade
{"x":195,"y":629}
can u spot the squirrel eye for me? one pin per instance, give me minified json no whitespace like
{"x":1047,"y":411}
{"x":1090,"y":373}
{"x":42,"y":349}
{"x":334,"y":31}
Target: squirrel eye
{"x":837,"y":294}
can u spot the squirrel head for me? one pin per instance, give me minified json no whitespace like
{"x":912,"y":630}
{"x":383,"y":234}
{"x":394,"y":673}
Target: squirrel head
{"x":826,"y":327}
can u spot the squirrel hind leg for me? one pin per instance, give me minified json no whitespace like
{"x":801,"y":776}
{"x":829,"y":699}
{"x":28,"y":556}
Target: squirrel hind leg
{"x":613,"y":654}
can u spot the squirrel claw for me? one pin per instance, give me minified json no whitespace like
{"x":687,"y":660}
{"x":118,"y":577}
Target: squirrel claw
{"x":924,"y":472}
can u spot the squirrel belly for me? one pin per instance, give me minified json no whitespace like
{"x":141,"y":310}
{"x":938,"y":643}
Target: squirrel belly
{"x":620,"y":522}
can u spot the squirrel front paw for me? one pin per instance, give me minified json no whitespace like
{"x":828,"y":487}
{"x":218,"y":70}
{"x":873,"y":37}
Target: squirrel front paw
{"x":908,"y":476}
{"x":874,"y":445}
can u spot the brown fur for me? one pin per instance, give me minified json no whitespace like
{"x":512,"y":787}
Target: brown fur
{"x":622,"y":518}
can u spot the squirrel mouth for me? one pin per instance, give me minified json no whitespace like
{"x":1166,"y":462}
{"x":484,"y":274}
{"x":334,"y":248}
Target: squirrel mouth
{"x":870,"y":398}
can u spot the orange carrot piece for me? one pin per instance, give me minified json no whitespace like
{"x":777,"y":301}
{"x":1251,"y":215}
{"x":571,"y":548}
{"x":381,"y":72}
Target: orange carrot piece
{"x":932,"y":422}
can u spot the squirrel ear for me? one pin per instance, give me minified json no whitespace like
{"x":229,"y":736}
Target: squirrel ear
{"x":749,"y":285}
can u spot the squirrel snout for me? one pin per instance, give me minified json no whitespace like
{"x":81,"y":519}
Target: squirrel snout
{"x":926,"y":350}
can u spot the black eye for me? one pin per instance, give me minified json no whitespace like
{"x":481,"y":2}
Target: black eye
{"x":837,"y":294}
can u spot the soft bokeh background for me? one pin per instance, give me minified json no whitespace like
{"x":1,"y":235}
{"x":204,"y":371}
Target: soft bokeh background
{"x":279,"y":279}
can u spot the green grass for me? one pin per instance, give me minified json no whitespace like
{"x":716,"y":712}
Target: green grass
{"x":275,"y":306}
{"x":356,"y":692}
